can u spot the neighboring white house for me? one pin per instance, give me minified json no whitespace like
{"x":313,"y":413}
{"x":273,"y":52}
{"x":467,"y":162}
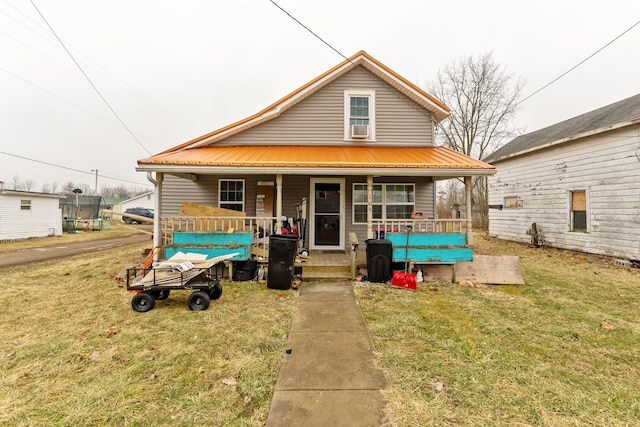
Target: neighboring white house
{"x":25,"y":214}
{"x":146,"y":200}
{"x":578,"y":181}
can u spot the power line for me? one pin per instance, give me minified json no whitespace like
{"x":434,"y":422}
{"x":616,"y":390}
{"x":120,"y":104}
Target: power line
{"x":89,"y":80}
{"x":367,"y":73}
{"x":308,"y":29}
{"x":65,"y":100}
{"x":579,"y":63}
{"x":68,"y":168}
{"x":105,"y":73}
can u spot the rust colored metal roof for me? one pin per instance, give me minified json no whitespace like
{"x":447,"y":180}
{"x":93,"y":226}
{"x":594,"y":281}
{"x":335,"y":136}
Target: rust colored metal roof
{"x":316,"y":156}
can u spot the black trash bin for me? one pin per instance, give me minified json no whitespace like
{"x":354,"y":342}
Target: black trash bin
{"x":245,"y":270}
{"x":379,"y":252}
{"x":282,"y":256}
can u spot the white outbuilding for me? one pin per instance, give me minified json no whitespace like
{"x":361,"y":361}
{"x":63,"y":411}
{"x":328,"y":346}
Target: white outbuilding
{"x":25,"y":214}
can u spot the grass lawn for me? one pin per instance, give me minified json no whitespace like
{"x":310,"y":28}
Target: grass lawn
{"x":562,"y":350}
{"x":74,"y":353}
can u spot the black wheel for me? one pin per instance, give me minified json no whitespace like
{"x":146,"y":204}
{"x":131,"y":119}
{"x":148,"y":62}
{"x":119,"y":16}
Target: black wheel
{"x":199,"y":300}
{"x":127,"y":220}
{"x":142,"y":302}
{"x":160,"y":294}
{"x":216,"y":291}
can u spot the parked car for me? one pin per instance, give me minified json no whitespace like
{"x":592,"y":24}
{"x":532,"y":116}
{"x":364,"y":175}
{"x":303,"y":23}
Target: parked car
{"x":148,"y":213}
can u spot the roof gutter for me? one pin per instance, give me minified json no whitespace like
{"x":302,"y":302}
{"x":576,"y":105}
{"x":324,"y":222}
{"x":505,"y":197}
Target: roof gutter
{"x":440,"y":172}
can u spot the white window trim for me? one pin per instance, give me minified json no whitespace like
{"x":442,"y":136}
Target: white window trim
{"x":570,"y":209}
{"x":372,"y":113}
{"x":354,"y":204}
{"x":517,"y":205}
{"x":383,"y":203}
{"x":244,"y":193}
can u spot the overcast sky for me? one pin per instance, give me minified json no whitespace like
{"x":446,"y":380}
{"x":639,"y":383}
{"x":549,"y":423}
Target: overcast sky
{"x":173,"y":71}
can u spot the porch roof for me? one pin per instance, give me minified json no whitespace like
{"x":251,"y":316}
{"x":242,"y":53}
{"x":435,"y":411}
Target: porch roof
{"x":302,"y":159}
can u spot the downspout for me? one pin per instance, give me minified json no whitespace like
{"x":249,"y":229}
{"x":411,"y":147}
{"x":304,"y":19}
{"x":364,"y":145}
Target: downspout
{"x":157,"y":208}
{"x":467,"y":187}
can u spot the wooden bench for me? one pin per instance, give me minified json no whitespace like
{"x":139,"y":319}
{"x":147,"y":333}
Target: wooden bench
{"x":430,"y":248}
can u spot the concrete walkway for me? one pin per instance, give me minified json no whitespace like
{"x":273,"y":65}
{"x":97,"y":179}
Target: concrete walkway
{"x":328,"y":376}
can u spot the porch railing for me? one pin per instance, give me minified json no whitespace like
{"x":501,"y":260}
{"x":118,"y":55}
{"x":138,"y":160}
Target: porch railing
{"x":421,"y":225}
{"x":260,"y":226}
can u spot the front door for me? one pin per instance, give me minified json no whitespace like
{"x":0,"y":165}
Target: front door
{"x":327,"y":213}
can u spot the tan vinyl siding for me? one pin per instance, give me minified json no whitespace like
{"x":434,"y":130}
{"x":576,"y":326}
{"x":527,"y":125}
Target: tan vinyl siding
{"x":205,"y":191}
{"x":319,"y":119}
{"x":294,"y":189}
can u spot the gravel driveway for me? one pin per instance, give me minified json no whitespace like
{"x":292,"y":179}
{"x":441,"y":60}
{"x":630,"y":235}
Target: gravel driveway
{"x":45,"y":253}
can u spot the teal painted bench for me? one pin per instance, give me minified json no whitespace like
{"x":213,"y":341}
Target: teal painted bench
{"x":212,"y":244}
{"x":430,"y":248}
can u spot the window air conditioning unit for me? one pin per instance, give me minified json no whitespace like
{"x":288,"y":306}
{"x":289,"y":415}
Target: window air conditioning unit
{"x":359,"y":131}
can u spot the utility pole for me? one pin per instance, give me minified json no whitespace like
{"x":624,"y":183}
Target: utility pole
{"x":96,"y":188}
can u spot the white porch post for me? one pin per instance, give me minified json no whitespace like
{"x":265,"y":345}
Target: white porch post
{"x":278,"y":203}
{"x":369,"y":207}
{"x":157,"y":209}
{"x":467,"y":187}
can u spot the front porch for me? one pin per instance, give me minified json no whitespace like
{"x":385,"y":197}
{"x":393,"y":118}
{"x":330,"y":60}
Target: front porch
{"x":248,"y":237}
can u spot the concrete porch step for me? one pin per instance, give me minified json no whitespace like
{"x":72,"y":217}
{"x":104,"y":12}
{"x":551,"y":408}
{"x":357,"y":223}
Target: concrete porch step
{"x":327,"y":274}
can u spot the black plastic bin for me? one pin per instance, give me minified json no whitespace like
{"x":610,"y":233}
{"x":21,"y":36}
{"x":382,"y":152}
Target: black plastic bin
{"x":245,"y":270}
{"x":379,"y":252}
{"x":282,"y":256}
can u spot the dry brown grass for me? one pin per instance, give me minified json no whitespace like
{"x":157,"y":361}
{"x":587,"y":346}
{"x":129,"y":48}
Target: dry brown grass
{"x":561,"y":350}
{"x":73,"y":352}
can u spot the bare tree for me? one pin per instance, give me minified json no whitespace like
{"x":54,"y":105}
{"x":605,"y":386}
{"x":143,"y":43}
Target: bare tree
{"x":23,"y":184}
{"x":483,"y":97}
{"x":49,"y":188}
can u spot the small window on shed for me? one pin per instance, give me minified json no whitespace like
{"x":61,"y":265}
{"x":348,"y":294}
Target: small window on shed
{"x":512,"y":202}
{"x":578,"y":212}
{"x":25,"y":205}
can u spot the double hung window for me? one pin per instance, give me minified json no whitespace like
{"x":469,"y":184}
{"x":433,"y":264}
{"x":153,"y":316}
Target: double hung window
{"x":359,"y":115}
{"x":388,"y":201}
{"x":231,"y":194}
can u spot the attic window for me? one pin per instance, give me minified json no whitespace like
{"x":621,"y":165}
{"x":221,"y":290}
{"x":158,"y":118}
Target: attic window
{"x":359,"y":115}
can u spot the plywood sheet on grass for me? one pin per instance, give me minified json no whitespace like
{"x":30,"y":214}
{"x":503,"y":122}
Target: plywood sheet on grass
{"x":491,"y":270}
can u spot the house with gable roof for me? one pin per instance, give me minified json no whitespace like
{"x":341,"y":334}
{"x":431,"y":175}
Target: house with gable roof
{"x":352,"y":152}
{"x":573,"y":185}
